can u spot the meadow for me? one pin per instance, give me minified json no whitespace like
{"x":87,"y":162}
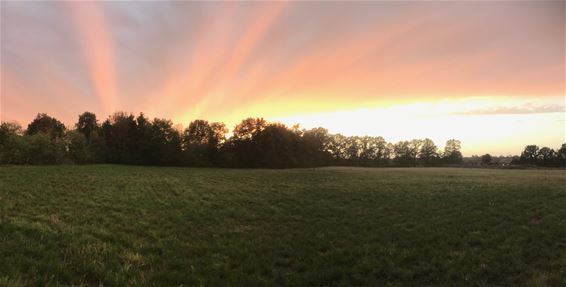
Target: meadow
{"x":112,"y":225}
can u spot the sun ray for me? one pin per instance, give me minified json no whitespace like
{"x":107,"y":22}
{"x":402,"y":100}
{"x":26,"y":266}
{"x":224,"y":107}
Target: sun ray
{"x":97,"y":47}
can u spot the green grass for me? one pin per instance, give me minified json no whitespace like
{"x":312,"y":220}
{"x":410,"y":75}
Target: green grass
{"x":140,"y":226}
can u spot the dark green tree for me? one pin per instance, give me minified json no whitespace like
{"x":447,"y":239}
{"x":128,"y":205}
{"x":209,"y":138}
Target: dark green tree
{"x":47,"y":125}
{"x":87,"y":124}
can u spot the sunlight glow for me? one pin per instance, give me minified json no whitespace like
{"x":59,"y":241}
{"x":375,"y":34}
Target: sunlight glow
{"x":469,"y":120}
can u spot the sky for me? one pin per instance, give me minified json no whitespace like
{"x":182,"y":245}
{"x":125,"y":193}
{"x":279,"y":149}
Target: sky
{"x":491,"y":74}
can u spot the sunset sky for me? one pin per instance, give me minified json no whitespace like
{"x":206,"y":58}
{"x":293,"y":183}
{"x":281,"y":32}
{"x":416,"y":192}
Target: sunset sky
{"x":491,"y":74}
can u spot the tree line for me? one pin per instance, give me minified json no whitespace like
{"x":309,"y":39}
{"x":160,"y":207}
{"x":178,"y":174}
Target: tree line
{"x":127,"y":139}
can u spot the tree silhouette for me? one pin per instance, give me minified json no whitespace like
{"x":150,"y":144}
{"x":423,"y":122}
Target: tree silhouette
{"x":249,"y":127}
{"x":120,"y":135}
{"x":87,"y":124}
{"x":452,"y":154}
{"x":403,"y":153}
{"x":47,"y":125}
{"x":428,"y":152}
{"x":546,"y":156}
{"x":529,"y":154}
{"x":124,"y":138}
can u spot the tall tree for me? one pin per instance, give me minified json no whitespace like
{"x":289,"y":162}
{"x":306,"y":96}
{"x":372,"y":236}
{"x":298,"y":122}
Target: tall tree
{"x":120,"y":136}
{"x":164,"y":143}
{"x":87,"y":124}
{"x":428,"y":152}
{"x":218,"y":134}
{"x":452,"y":152}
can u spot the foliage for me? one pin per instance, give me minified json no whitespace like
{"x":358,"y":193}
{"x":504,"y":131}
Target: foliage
{"x":452,"y":152}
{"x":87,"y":124}
{"x":46,"y":125}
{"x":545,"y":156}
{"x":127,"y":139}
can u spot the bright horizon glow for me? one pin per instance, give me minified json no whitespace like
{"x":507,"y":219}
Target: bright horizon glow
{"x":491,"y":74}
{"x":475,"y":122}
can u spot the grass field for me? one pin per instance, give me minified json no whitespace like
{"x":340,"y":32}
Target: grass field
{"x":140,"y":226}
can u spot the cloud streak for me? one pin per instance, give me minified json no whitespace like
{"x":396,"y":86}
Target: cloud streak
{"x":529,"y":108}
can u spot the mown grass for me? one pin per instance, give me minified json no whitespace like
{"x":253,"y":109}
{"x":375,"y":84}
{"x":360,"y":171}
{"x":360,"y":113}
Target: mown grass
{"x":144,"y":226}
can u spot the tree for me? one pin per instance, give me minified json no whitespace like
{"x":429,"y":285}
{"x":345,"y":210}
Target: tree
{"x":383,"y":150}
{"x":76,"y":147}
{"x":243,"y":142}
{"x":486,"y":159}
{"x":337,"y":147}
{"x":197,"y":133}
{"x":402,"y":152}
{"x":10,"y":137}
{"x":202,"y":141}
{"x":428,"y":152}
{"x":547,"y":156}
{"x":452,"y":152}
{"x":87,"y":124}
{"x":414,"y":148}
{"x":529,"y":154}
{"x":316,"y":145}
{"x":9,"y":129}
{"x":218,"y":134}
{"x":353,"y":149}
{"x":41,"y":149}
{"x":248,"y":128}
{"x":120,"y":133}
{"x":164,"y":143}
{"x":276,"y":146}
{"x":368,"y":150}
{"x":97,"y":148}
{"x":389,"y":152}
{"x":47,"y":125}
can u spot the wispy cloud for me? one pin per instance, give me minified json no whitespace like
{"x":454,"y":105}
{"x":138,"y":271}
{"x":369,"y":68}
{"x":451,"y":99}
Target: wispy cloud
{"x":529,"y":108}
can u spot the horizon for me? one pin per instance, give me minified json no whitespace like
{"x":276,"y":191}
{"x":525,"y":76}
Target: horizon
{"x":493,"y":78}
